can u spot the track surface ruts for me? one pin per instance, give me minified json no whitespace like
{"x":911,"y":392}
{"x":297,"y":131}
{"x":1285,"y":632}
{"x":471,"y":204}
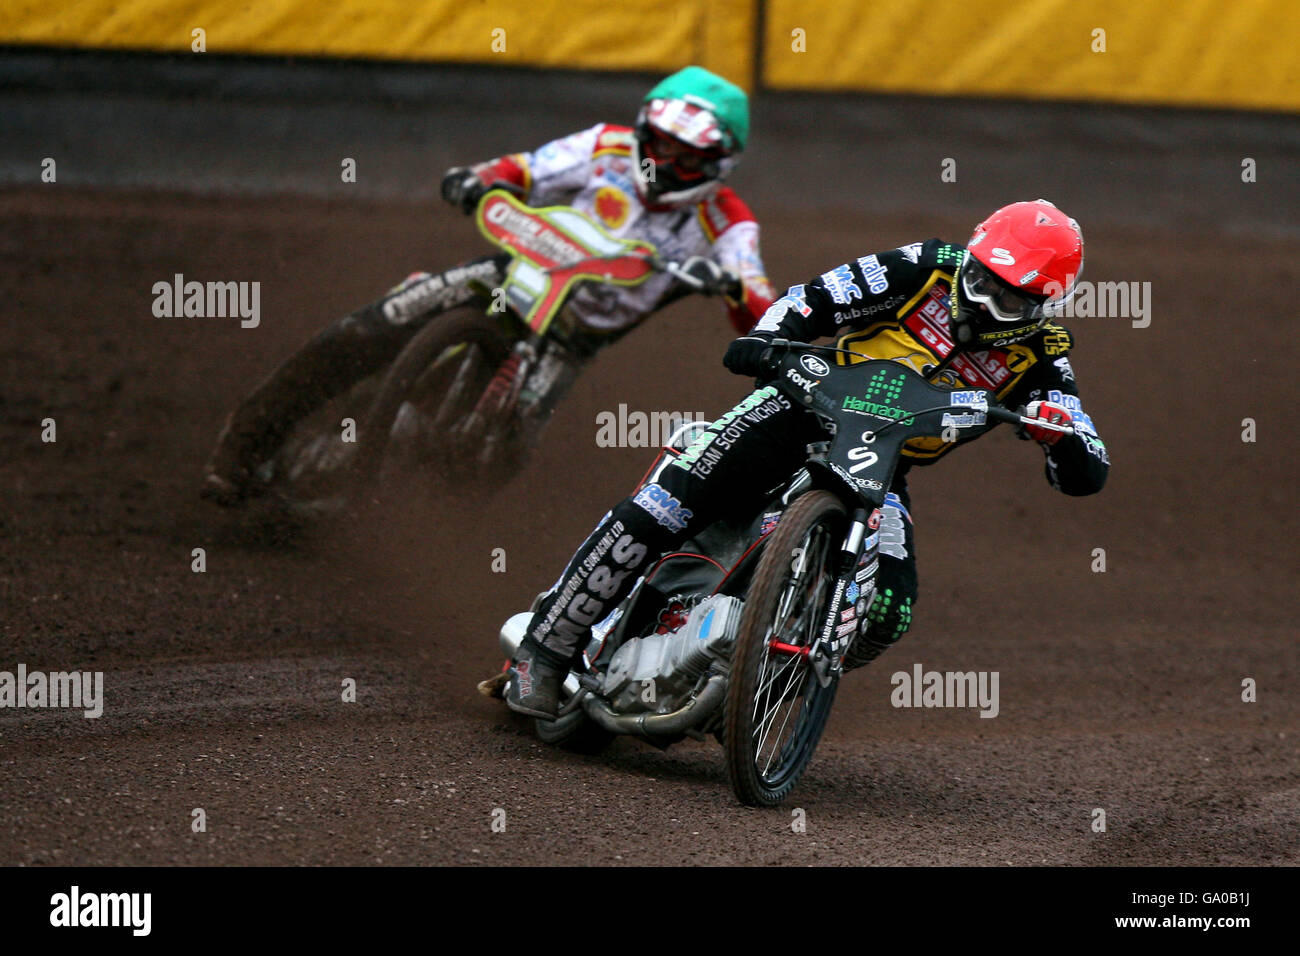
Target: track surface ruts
{"x":1118,"y":690}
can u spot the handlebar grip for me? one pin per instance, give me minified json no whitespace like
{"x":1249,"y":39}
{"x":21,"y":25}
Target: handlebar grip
{"x":1000,"y":414}
{"x":769,"y":361}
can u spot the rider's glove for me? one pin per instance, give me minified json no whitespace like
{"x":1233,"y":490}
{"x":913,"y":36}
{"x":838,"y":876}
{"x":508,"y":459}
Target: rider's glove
{"x":462,"y":188}
{"x":1049,"y":412}
{"x":745,"y":355}
{"x":707,"y":277}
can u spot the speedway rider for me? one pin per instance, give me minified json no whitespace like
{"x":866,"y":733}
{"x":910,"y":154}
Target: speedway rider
{"x":973,"y":316}
{"x":660,"y":181}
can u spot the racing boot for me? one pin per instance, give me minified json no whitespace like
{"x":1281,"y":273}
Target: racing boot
{"x":535,"y":682}
{"x":228,"y":474}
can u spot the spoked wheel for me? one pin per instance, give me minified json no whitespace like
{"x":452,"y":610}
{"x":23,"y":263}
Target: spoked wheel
{"x":425,"y":400}
{"x":776,"y":709}
{"x":311,"y":473}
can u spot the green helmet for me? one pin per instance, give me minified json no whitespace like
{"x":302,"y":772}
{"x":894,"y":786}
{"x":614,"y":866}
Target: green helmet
{"x":690,"y":130}
{"x":724,"y":99}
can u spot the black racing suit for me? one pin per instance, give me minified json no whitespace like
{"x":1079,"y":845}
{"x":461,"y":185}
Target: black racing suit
{"x":891,"y":305}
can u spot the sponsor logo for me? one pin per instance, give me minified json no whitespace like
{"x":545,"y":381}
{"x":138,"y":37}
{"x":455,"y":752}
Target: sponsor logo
{"x":799,"y":380}
{"x":1002,"y":257}
{"x":611,"y":205}
{"x":656,"y":501}
{"x":852,"y":592}
{"x":534,"y":235}
{"x":523,"y":674}
{"x":844,"y":630}
{"x":879,"y":398}
{"x":848,"y":614}
{"x":839,"y":283}
{"x":1055,"y":343}
{"x":794,"y":298}
{"x":423,"y":292}
{"x":863,"y":311}
{"x":581,"y":602}
{"x":873,"y":272}
{"x":706,"y":450}
{"x":974,"y":400}
{"x":1064,"y":367}
{"x":813,"y":365}
{"x":964,"y":420}
{"x":769,"y":523}
{"x":1081,"y":420}
{"x":929,"y":322}
{"x":948,"y":254}
{"x":911,"y":252}
{"x":893,"y":533}
{"x":1096,"y":447}
{"x":869,"y":483}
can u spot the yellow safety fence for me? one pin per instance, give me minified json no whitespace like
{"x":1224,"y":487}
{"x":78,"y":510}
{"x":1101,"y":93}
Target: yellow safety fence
{"x":1221,"y":53}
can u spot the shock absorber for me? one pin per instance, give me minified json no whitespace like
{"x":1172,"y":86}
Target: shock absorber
{"x":501,"y":389}
{"x":853,"y":540}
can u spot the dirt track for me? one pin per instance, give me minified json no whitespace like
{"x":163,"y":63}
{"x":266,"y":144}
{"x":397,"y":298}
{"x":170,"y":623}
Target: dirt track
{"x":1118,"y":690}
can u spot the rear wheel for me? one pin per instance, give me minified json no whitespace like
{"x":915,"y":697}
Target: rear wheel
{"x":311,"y":473}
{"x":776,"y":709}
{"x":575,"y":732}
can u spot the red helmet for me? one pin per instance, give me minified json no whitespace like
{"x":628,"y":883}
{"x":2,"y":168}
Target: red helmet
{"x":1021,"y":262}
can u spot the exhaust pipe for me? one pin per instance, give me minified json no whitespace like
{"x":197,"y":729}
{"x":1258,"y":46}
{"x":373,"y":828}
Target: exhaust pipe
{"x":512,"y":635}
{"x":650,"y":725}
{"x":659,"y":725}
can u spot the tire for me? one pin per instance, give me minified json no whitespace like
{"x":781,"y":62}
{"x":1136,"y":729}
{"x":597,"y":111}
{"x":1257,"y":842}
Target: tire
{"x":311,"y":473}
{"x":427,"y":372}
{"x":574,"y":732}
{"x":763,"y":777}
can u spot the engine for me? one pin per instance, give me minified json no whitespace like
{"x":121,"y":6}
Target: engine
{"x":657,"y":673}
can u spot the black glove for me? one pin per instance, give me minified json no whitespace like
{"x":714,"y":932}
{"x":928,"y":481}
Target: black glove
{"x":708,"y":278}
{"x":462,"y":188}
{"x":744,"y":355}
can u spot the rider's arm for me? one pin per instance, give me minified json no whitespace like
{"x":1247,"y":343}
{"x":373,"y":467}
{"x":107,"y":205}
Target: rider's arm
{"x":844,"y":299}
{"x":1076,"y":464}
{"x":561,"y":168}
{"x":551,"y":175}
{"x":855,"y":294}
{"x":733,"y":232}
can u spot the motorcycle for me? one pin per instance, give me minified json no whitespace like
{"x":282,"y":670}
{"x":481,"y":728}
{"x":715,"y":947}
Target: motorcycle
{"x":469,"y":394}
{"x":743,"y":632}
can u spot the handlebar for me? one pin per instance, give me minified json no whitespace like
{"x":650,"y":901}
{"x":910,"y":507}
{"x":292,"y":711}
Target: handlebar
{"x":770,"y":360}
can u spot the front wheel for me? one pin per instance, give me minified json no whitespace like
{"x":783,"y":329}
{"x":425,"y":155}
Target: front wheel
{"x":776,"y":709}
{"x":430,"y":390}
